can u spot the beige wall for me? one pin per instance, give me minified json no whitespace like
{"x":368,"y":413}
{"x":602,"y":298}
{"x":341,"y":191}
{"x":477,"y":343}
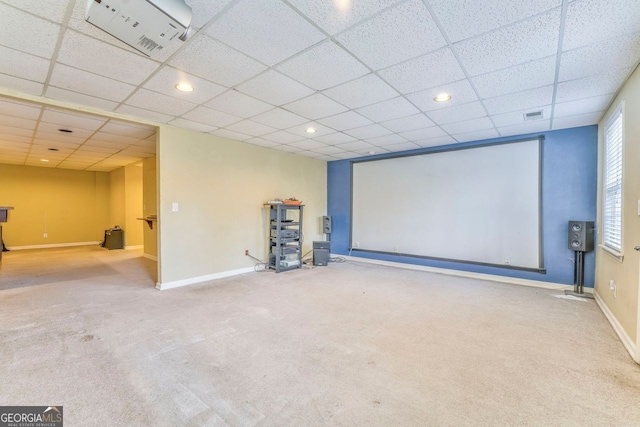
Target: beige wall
{"x":150,"y":205}
{"x":624,"y":306}
{"x":116,"y":198}
{"x":126,"y":202}
{"x":70,"y":206}
{"x":220,"y":187}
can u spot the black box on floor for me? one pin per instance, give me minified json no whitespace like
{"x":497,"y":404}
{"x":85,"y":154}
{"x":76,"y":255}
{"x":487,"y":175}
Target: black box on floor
{"x":321,"y":251}
{"x":114,"y":238}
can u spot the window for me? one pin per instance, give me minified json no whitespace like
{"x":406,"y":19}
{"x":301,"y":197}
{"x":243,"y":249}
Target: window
{"x":612,"y":198}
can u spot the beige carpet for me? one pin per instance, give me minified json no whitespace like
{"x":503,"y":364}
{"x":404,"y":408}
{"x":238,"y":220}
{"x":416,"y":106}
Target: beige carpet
{"x":349,"y":344}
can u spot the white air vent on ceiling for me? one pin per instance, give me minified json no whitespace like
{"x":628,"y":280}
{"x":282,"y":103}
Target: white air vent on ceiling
{"x":149,"y":26}
{"x":533,"y":115}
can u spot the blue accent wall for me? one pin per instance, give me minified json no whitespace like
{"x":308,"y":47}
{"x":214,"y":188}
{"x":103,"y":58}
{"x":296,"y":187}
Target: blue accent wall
{"x":569,"y":190}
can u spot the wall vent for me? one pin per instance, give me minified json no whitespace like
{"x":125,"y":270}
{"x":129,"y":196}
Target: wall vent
{"x":533,"y":115}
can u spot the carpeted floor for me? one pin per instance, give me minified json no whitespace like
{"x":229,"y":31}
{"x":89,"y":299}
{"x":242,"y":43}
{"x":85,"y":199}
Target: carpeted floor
{"x":349,"y":344}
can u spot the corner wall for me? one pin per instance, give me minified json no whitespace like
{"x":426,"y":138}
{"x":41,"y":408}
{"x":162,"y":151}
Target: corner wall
{"x":126,"y":202}
{"x":150,"y":206}
{"x":220,"y":187}
{"x":569,"y":180}
{"x":622,"y":306}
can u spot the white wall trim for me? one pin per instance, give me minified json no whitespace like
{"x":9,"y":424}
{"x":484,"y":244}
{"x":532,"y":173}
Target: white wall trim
{"x":54,"y":245}
{"x":617,"y":327}
{"x":151,"y":257}
{"x":200,"y":279}
{"x":130,"y":248}
{"x":468,"y":274}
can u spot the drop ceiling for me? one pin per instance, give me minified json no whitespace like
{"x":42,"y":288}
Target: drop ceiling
{"x":362,"y":73}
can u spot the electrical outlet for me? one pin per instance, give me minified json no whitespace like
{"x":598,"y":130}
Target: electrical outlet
{"x":174,"y":207}
{"x":357,"y":245}
{"x":507,"y":260}
{"x":613,"y":287}
{"x":45,"y":235}
{"x":395,"y":249}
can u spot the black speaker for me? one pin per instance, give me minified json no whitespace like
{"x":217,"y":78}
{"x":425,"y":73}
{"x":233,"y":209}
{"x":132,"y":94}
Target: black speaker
{"x":326,"y":224}
{"x":321,"y":251}
{"x":581,"y":236}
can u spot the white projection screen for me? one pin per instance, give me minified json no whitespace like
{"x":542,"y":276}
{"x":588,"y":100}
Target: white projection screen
{"x":479,"y":205}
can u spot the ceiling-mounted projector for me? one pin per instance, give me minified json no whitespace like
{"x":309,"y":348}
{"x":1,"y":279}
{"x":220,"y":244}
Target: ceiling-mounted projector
{"x":149,"y":26}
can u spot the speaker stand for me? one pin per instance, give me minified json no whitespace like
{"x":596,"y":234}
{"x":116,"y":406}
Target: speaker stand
{"x":578,"y":274}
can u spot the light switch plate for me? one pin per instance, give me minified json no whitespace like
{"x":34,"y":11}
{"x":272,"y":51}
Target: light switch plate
{"x":174,"y":207}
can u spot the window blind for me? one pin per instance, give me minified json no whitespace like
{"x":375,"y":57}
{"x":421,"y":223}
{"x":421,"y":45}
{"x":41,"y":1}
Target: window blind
{"x":612,"y":215}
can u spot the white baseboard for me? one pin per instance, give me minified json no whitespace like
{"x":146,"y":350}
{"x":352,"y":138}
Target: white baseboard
{"x":54,"y":245}
{"x":468,"y":274}
{"x":627,"y":342}
{"x":151,"y":257}
{"x":200,"y":279}
{"x":130,"y":248}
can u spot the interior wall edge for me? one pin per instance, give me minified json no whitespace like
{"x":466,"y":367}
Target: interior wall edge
{"x":626,"y":340}
{"x":202,"y":279}
{"x":53,"y":245}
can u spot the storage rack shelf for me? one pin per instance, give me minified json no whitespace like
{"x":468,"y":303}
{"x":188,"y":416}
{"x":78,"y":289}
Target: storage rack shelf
{"x":285,"y":237}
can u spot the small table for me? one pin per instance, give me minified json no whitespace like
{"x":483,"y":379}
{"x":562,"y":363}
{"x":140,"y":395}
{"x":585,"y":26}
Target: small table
{"x":3,"y":218}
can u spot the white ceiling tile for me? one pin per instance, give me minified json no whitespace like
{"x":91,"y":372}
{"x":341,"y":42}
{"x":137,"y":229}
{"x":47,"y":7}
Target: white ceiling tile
{"x":422,"y":134}
{"x":335,"y":138}
{"x":79,"y":98}
{"x":524,"y":41}
{"x":167,"y":78}
{"x":53,"y":128}
{"x":153,"y":116}
{"x":427,"y":71}
{"x":301,"y":130}
{"x":159,"y":102}
{"x":188,"y":124}
{"x":262,"y":142}
{"x":114,"y":140}
{"x":600,"y":84}
{"x":236,"y":136}
{"x":211,"y":60}
{"x":621,"y":52}
{"x":283,"y":137}
{"x":582,"y":106}
{"x":576,"y":121}
{"x":211,"y":117}
{"x":473,"y":125}
{"x":308,"y":144}
{"x":269,"y":31}
{"x":329,"y":150}
{"x":398,"y":34}
{"x":376,"y":150}
{"x":275,"y":88}
{"x":346,"y":155}
{"x":204,"y":10}
{"x":404,"y":146}
{"x":18,"y":131}
{"x":315,"y":107}
{"x":525,"y":128}
{"x":310,"y":67}
{"x":249,"y":127}
{"x":388,"y":110}
{"x":14,"y":138}
{"x":23,"y":65}
{"x":589,"y":21}
{"x":529,"y":75}
{"x":12,"y":108}
{"x":477,"y":135}
{"x":360,"y":92}
{"x":520,"y":101}
{"x":22,"y":85}
{"x":279,"y":118}
{"x":356,"y":146}
{"x":121,"y":127}
{"x":90,"y":84}
{"x":433,"y":142}
{"x":463,"y":19}
{"x":404,"y":124}
{"x":238,"y":104}
{"x":79,"y":51}
{"x":513,"y":118}
{"x":27,"y":33}
{"x":383,"y":141}
{"x":53,"y":10}
{"x":72,"y":119}
{"x":458,"y":113}
{"x":17,"y":122}
{"x":288,"y":148}
{"x":370,"y":131}
{"x":345,"y":121}
{"x":461,"y":93}
{"x":336,"y":16}
{"x":92,"y":151}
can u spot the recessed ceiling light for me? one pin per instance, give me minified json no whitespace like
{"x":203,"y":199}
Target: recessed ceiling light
{"x":44,"y":160}
{"x":65,"y":130}
{"x":310,"y":130}
{"x":53,"y":149}
{"x":184,"y":87}
{"x":442,"y":97}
